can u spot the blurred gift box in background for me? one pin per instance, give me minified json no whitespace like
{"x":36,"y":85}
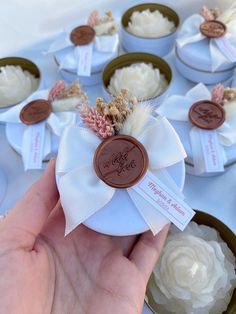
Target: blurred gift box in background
{"x":26,"y":22}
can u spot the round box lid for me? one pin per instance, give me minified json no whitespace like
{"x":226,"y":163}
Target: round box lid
{"x":197,"y":55}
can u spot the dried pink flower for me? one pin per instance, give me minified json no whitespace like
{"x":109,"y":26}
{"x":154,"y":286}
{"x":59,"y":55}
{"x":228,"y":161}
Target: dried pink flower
{"x":56,"y":90}
{"x":96,"y":121}
{"x":207,"y":14}
{"x":93,"y":18}
{"x":217,"y":93}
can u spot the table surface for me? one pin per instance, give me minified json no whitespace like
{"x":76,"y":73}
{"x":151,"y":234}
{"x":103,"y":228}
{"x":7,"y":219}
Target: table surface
{"x":214,"y":195}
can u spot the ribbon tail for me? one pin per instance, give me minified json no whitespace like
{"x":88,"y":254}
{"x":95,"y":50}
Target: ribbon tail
{"x":165,"y":177}
{"x":36,"y":144}
{"x":82,"y":194}
{"x":153,"y":218}
{"x":106,"y":43}
{"x":217,"y":56}
{"x":197,"y":150}
{"x":57,"y":122}
{"x":227,"y":132}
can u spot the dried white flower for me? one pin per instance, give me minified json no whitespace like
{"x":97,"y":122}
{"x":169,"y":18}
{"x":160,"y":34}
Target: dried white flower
{"x":137,"y":120}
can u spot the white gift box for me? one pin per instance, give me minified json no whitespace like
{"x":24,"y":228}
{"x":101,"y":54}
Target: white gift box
{"x":198,"y":58}
{"x":160,"y":46}
{"x":67,"y":56}
{"x":55,"y":124}
{"x":176,"y":107}
{"x":87,"y":199}
{"x":99,"y":60}
{"x":193,"y":62}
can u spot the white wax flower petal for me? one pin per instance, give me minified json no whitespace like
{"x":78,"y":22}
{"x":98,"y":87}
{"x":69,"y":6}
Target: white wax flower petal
{"x":195,"y":273}
{"x":150,"y":24}
{"x":142,"y":80}
{"x":16,"y":84}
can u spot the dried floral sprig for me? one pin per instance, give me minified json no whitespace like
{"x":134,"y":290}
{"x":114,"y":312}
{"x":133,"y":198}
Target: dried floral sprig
{"x":216,"y":12}
{"x":96,"y":121}
{"x":66,"y":98}
{"x":105,"y":25}
{"x":73,"y":91}
{"x":229,"y":94}
{"x":136,"y":121}
{"x":56,"y":90}
{"x":108,"y":17}
{"x":117,"y":110}
{"x":207,"y":13}
{"x":217,"y":93}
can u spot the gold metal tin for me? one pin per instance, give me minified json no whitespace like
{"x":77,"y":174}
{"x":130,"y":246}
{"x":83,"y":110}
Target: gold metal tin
{"x":165,"y":10}
{"x":131,"y":58}
{"x":227,"y":235}
{"x":26,"y":65}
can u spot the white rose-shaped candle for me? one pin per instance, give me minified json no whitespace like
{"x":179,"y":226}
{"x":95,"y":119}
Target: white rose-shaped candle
{"x":195,"y":273}
{"x":16,"y":84}
{"x":150,"y":24}
{"x":142,"y":80}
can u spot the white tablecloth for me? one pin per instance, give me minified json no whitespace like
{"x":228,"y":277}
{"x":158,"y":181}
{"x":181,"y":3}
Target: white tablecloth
{"x":23,"y":23}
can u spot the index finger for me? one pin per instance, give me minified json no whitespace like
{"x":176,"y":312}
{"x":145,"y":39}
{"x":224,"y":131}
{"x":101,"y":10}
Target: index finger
{"x":147,"y":250}
{"x":25,"y":221}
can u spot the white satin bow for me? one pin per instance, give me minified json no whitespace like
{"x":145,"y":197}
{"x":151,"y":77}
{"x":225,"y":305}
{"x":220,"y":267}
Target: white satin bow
{"x":82,"y":193}
{"x":190,"y":33}
{"x":55,"y":123}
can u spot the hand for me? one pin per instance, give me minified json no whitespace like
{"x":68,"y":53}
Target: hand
{"x":86,"y":272}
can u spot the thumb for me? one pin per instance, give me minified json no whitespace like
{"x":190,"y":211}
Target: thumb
{"x":25,"y":221}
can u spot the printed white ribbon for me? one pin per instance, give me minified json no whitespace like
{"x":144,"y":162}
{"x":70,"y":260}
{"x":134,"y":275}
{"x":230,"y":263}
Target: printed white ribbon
{"x":177,"y":107}
{"x":222,"y":50}
{"x":82,"y":193}
{"x":102,"y":43}
{"x":55,"y":123}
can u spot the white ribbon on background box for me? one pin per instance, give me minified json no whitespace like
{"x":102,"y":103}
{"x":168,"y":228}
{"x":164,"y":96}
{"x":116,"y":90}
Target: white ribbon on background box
{"x":222,"y":50}
{"x":82,"y":193}
{"x":55,"y":123}
{"x":102,"y":43}
{"x":177,"y":108}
